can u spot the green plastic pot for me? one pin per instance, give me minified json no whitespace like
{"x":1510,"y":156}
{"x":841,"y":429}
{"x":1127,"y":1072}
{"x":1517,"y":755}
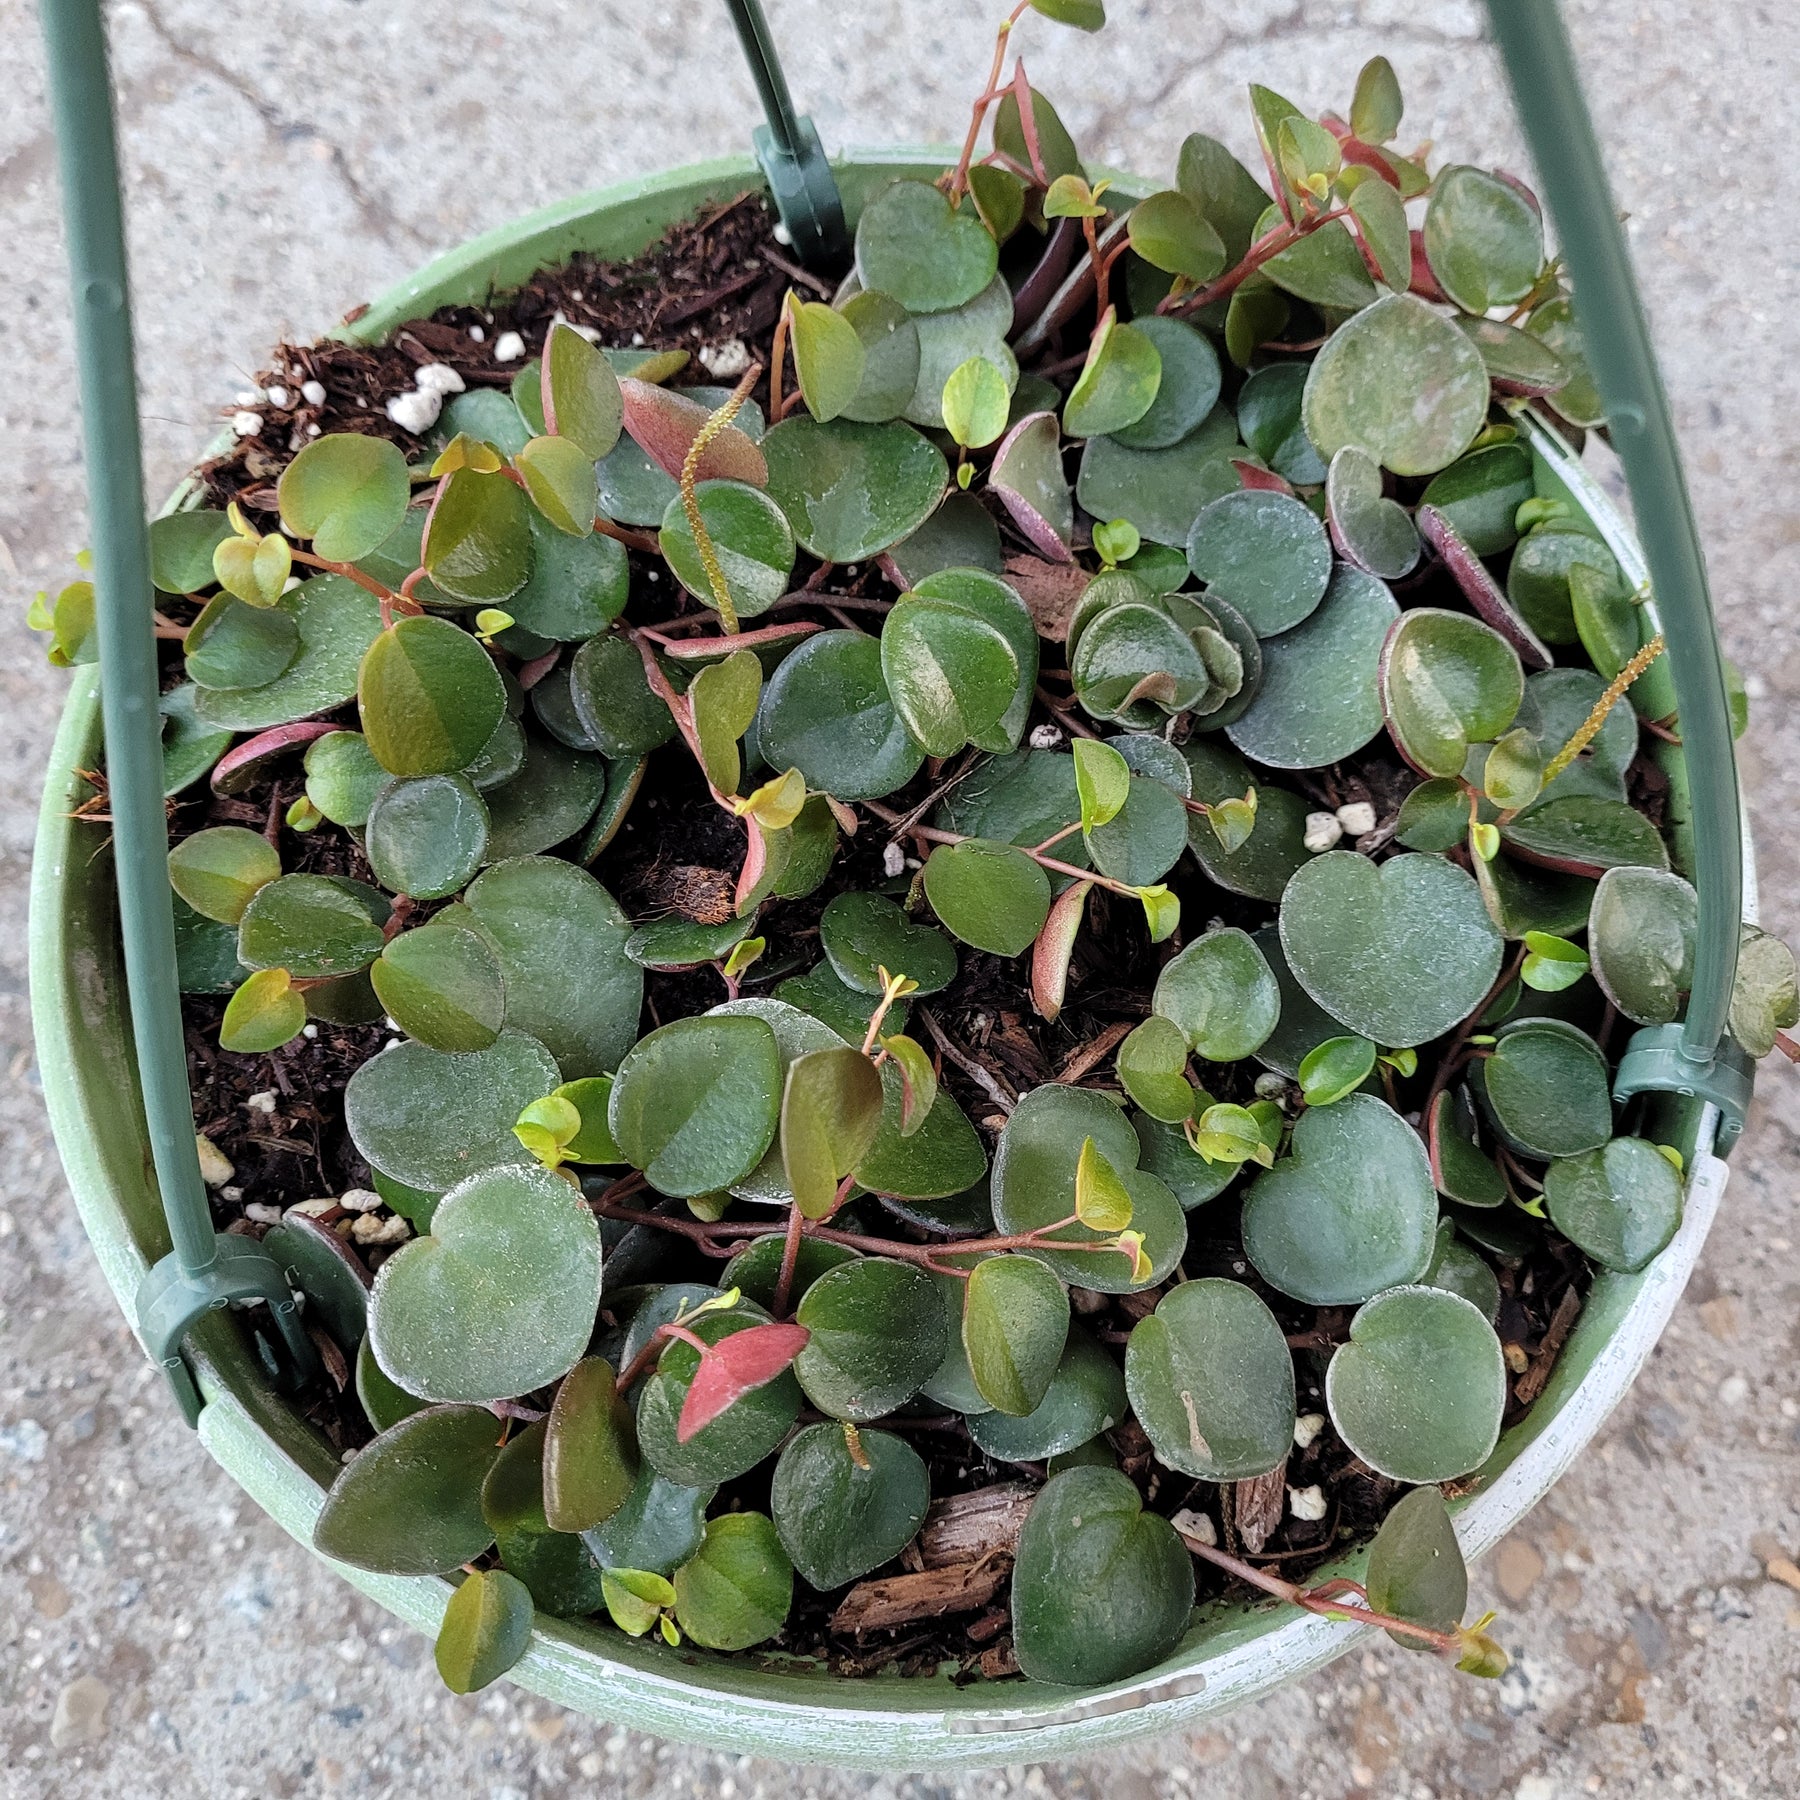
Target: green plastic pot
{"x":1232,"y":1653}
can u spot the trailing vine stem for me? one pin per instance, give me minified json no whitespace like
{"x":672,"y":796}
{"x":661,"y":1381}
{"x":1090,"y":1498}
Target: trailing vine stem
{"x":690,"y":471}
{"x":1265,"y":249}
{"x":931,"y":835}
{"x":990,"y":92}
{"x":1447,"y":1064}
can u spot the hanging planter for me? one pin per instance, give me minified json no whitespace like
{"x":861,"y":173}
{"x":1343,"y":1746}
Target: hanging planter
{"x":968,"y":943}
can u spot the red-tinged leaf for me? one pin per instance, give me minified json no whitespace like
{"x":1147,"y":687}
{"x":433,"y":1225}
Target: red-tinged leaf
{"x":242,"y":767}
{"x":732,"y":1367}
{"x":1480,"y":589}
{"x":756,"y":860}
{"x":1028,"y":121}
{"x":1055,"y":945}
{"x":664,"y":425}
{"x":845,"y":815}
{"x":1367,"y":156}
{"x":1253,"y":476}
{"x":1424,"y":283}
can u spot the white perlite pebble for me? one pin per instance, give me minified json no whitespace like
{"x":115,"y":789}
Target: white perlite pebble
{"x":309,"y":1031}
{"x":415,"y":411}
{"x":262,"y":1213}
{"x":1197,"y":1525}
{"x":893,"y":861}
{"x":1357,"y":819}
{"x":1322,"y":831}
{"x":311,"y":1209}
{"x":1046,"y":737}
{"x":508,"y":347}
{"x":263,"y":1102}
{"x":313,"y":392}
{"x":359,"y":1200}
{"x":1270,"y":1086}
{"x":727,"y":360}
{"x":215,"y":1165}
{"x":1306,"y":1428}
{"x":279,"y":398}
{"x":249,"y":397}
{"x":367,"y":1229}
{"x":247,"y":424}
{"x":233,"y":1193}
{"x":438,"y":378}
{"x":1307,"y":1503}
{"x":477,"y":334}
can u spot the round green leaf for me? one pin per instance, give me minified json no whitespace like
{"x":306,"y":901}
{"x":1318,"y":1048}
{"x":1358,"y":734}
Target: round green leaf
{"x":181,"y":548}
{"x":1765,"y":996}
{"x":1483,"y":238}
{"x":613,"y":699}
{"x":1211,"y":1379}
{"x":1337,"y":1067}
{"x":1320,"y":697}
{"x":878,"y":1334}
{"x":827,"y":712}
{"x":560,"y":937}
{"x":263,"y":1014}
{"x":851,"y":490}
{"x":751,"y":537}
{"x":659,"y":1527}
{"x":695,"y":1103}
{"x":1583,"y":834}
{"x":1118,"y":383}
{"x":977,"y":398}
{"x":1189,"y":388}
{"x":580,"y":392}
{"x":346,"y":492}
{"x":590,"y":1458}
{"x":1546,"y":1087}
{"x":1416,"y":1570}
{"x":410,"y":1504}
{"x":442,"y":985}
{"x":1349,"y":1210}
{"x":312,"y":925}
{"x":429,"y":1119}
{"x":890,"y":346}
{"x":1459,"y":1270}
{"x":499,"y":1298}
{"x":944,"y":1156}
{"x":831,"y":1109}
{"x":1481,"y":493}
{"x":1086,"y":1396}
{"x":1405,"y":1428}
{"x":1135,"y":659}
{"x":477,"y":543}
{"x":1168,"y":1156}
{"x":1264,"y":552}
{"x":1171,"y":233}
{"x":218,"y":871}
{"x":559,"y":1570}
{"x":1641,"y":942}
{"x":1538,"y":579}
{"x":560,"y":480}
{"x":577,"y":587}
{"x":952,"y":676}
{"x":1460,"y":1170}
{"x":839,"y":1518}
{"x":1034,"y":1187}
{"x":1620,"y":1203}
{"x":1015,"y":1323}
{"x":862,"y":933}
{"x":1221,"y":994}
{"x":1160,"y":491}
{"x":1152,"y":1068}
{"x":1102,"y":1589}
{"x":343,"y":777}
{"x":1143,"y":842}
{"x":1447,"y":682}
{"x":1375,"y":533}
{"x":429,"y":696}
{"x":738,"y":1589}
{"x":485,"y":1630}
{"x":337,"y":621}
{"x":756,"y":1270}
{"x":947,"y":340}
{"x":1400,"y":381}
{"x":912,"y":245}
{"x":678,"y":943}
{"x":1398,"y":953}
{"x":427,"y":835}
{"x":235,"y":645}
{"x":990,"y":895}
{"x":985,"y":596}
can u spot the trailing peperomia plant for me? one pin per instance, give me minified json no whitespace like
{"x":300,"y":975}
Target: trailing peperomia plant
{"x":1115,"y":974}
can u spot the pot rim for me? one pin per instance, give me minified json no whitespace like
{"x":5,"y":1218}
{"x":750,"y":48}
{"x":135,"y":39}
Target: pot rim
{"x":1233,"y":1653}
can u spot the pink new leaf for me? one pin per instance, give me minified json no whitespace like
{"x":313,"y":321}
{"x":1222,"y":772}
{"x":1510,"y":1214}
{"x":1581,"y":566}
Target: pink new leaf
{"x":734,"y":1366}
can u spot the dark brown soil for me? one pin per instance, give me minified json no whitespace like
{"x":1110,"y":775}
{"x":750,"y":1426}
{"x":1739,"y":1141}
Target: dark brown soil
{"x":723,"y":277}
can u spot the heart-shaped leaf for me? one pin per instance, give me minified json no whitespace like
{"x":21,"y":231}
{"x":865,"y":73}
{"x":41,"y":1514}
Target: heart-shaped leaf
{"x":337,"y":621}
{"x":1220,"y":993}
{"x":1261,"y":865}
{"x":1405,"y":1428}
{"x":1583,"y":834}
{"x":1546,"y":1088}
{"x":1152,"y":1069}
{"x":1265,"y":553}
{"x":1400,"y":381}
{"x":830,"y":1111}
{"x":878,"y":1333}
{"x":1621,"y":1203}
{"x":1034,"y":1187}
{"x":218,"y":871}
{"x":559,"y":1571}
{"x":751,"y":538}
{"x":841,"y":1512}
{"x":1447,"y":681}
{"x":343,"y":777}
{"x":580,"y":392}
{"x":1145,"y":840}
{"x":1015,"y":1322}
{"x":996,"y":603}
{"x":429,"y":697}
{"x":560,"y":481}
{"x":736,"y":1440}
{"x":265,"y":1013}
{"x":1538,"y":578}
{"x":1349,"y":1211}
{"x":410,"y":1503}
{"x":560,"y":937}
{"x":1320,"y":696}
{"x":850,"y":490}
{"x":613,"y":700}
{"x":346,"y":492}
{"x":477,"y":544}
{"x":890,"y":345}
{"x":1118,"y":382}
{"x":737,"y":1591}
{"x":1458,"y":1167}
{"x":181,"y":548}
{"x":1483,"y":238}
{"x":660,"y":1526}
{"x":912,"y":245}
{"x":485,"y":1630}
{"x":695,"y":1103}
{"x":498,"y":1299}
{"x":990,"y":895}
{"x":429,"y":1119}
{"x":1086,"y":1396}
{"x":1641,"y":941}
{"x":1101,"y":1589}
{"x":976,"y":400}
{"x":1375,"y":533}
{"x":947,"y":340}
{"x":1170,"y":232}
{"x":442,"y":985}
{"x":312,"y":926}
{"x":426,"y":835}
{"x":862,"y":933}
{"x":590,"y":1449}
{"x":1416,"y":1570}
{"x":951,"y":674}
{"x":1765,"y":996}
{"x":827,"y":712}
{"x":1211,"y":1380}
{"x":1398,"y":953}
{"x":236,"y":645}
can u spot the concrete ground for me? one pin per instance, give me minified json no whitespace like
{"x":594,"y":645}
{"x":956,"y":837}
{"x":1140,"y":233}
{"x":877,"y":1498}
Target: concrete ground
{"x":160,"y":1637}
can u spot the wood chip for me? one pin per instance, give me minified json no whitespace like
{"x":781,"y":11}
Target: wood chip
{"x":901,"y":1599}
{"x":1543,"y":1359}
{"x":1255,"y":1507}
{"x":999,"y":1661}
{"x":1083,"y":1059}
{"x":1049,"y":590}
{"x":963,"y":1528}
